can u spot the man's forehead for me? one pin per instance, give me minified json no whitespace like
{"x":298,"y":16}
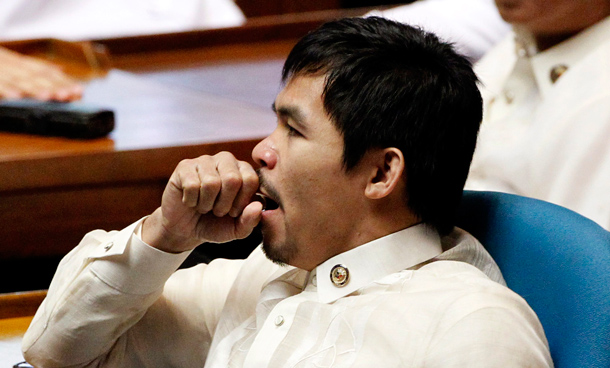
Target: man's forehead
{"x":313,"y":82}
{"x":304,"y":91}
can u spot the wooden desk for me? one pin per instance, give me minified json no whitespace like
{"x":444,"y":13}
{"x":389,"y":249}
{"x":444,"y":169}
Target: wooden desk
{"x":53,"y":187}
{"x":175,"y":96}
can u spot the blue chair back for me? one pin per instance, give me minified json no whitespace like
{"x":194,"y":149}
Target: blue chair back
{"x":558,"y":261}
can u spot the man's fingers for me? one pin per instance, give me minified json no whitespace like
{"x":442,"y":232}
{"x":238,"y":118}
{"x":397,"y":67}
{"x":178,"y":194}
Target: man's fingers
{"x":219,"y":184}
{"x":209,"y":183}
{"x":248,"y":188}
{"x":200,"y":194}
{"x":231,"y":183}
{"x":9,"y":91}
{"x":249,"y":218}
{"x":185,"y":180}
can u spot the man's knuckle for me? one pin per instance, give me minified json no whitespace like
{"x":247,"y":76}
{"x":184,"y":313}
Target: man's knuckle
{"x":251,"y":179}
{"x":232,"y":181}
{"x":225,"y":155}
{"x":211,"y":182}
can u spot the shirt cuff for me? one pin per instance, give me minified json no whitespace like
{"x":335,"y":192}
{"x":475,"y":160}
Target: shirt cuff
{"x":131,"y":266}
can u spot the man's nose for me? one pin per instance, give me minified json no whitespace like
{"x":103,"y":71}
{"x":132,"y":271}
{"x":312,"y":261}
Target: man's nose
{"x":265,"y":154}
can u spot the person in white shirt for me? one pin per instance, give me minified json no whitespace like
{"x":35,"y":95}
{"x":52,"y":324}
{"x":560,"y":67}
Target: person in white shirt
{"x":360,"y":263}
{"x":22,"y":76}
{"x":474,"y":26}
{"x":546,"y":94}
{"x":75,"y":20}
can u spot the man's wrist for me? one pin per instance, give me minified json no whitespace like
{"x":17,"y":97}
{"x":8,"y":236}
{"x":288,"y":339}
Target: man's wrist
{"x":155,"y":234}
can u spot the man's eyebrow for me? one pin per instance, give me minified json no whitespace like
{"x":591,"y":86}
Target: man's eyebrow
{"x":293,"y":113}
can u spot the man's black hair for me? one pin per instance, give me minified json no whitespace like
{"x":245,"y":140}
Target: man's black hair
{"x":393,"y":85}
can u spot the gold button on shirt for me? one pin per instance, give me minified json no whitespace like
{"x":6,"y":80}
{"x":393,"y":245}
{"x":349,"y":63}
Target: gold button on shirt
{"x":557,"y":71}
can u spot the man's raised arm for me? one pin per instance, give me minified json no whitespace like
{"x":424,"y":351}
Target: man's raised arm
{"x":106,"y":299}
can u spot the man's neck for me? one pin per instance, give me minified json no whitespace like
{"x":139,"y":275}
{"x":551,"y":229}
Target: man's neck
{"x":383,"y":223}
{"x":546,"y":40}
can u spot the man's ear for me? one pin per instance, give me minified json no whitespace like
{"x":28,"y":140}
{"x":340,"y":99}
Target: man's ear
{"x":389,"y":165}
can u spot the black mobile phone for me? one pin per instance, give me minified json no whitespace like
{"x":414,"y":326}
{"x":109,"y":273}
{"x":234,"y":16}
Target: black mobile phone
{"x":49,"y":118}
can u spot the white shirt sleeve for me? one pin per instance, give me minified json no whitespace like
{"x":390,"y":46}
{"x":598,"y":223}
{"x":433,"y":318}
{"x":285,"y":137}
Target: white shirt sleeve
{"x":486,"y":328}
{"x":104,"y":303}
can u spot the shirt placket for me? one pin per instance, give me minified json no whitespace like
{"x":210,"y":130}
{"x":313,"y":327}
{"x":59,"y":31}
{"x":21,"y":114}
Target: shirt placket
{"x":273,"y":331}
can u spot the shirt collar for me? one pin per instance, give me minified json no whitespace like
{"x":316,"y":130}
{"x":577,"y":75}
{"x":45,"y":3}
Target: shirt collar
{"x":566,"y":54}
{"x":374,"y":260}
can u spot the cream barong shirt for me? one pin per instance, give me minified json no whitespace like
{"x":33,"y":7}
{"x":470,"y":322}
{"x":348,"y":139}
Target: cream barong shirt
{"x":546,"y":128}
{"x":410,"y":299}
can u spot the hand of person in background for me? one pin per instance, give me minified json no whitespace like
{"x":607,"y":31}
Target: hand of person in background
{"x":23,"y":76}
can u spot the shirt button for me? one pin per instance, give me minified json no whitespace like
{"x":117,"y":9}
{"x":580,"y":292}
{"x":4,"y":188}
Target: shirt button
{"x":339,"y":275}
{"x":279,"y":320}
{"x":557,"y":72}
{"x":108,"y":246}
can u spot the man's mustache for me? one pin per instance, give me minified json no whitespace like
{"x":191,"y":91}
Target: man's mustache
{"x":269,"y":190}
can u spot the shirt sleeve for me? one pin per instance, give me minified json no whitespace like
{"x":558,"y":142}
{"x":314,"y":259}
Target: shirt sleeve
{"x":490,"y":342}
{"x":486,"y":326}
{"x":104,"y":305}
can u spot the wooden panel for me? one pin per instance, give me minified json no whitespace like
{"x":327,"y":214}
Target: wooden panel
{"x":260,"y":29}
{"x":51,"y":222}
{"x":52,"y":219}
{"x":54,"y":168}
{"x":211,"y":55}
{"x":25,"y":304}
{"x":257,"y":8}
{"x":11,"y":334}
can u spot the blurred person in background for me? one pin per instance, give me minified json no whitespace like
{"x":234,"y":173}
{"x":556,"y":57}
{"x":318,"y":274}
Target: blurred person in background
{"x":23,"y":76}
{"x":84,"y":20}
{"x":474,"y":26}
{"x":546,"y":91}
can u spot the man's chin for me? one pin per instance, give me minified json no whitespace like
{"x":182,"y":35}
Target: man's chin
{"x":280,"y":254}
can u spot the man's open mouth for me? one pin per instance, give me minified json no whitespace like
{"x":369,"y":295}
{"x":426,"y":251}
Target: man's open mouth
{"x":268,"y":203}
